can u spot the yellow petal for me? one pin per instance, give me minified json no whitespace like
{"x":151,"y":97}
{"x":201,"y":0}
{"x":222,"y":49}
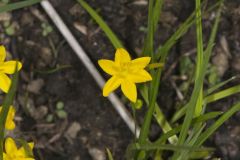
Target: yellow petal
{"x":10,"y":66}
{"x":4,"y":156}
{"x":10,"y":125}
{"x":2,"y":53}
{"x":108,"y":66}
{"x":5,"y":82}
{"x":27,"y":150}
{"x":140,"y":76}
{"x":28,"y":159}
{"x":122,"y":56}
{"x":112,"y":84}
{"x":10,"y":146}
{"x":31,"y":145}
{"x":129,"y":90}
{"x":141,"y":62}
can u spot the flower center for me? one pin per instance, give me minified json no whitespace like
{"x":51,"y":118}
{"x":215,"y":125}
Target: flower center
{"x":124,"y":70}
{"x":11,"y":157}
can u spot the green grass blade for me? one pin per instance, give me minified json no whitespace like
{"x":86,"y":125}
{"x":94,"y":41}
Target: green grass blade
{"x":199,"y":106}
{"x":222,"y":94}
{"x":110,"y":157}
{"x":200,"y":155}
{"x":152,"y":100}
{"x":209,"y":99}
{"x":162,"y":51}
{"x":206,"y":117}
{"x":198,"y":81}
{"x":155,"y":83}
{"x":200,"y":119}
{"x":212,"y":38}
{"x":110,"y":34}
{"x":195,"y":134}
{"x":8,"y":101}
{"x":207,"y":54}
{"x":156,"y":13}
{"x":179,"y":114}
{"x":150,"y":146}
{"x":17,"y":5}
{"x":148,"y":44}
{"x":199,"y":63}
{"x":217,"y":86}
{"x":207,"y":133}
{"x":160,"y":117}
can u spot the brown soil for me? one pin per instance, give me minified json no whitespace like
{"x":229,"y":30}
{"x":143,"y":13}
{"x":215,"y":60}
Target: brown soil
{"x":100,"y":127}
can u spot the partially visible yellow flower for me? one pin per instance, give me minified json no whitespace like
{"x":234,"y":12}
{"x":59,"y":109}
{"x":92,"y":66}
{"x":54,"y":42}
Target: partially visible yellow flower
{"x":13,"y":153}
{"x":6,"y":68}
{"x":125,"y":73}
{"x":10,"y":125}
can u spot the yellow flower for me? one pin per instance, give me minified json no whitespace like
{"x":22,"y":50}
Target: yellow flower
{"x":10,"y":125}
{"x":125,"y":73}
{"x":13,"y":153}
{"x":6,"y":68}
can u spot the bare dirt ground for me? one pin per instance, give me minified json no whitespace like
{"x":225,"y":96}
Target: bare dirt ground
{"x":63,"y":110}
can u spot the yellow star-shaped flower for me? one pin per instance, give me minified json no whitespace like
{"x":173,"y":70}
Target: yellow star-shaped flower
{"x":10,"y":125}
{"x":13,"y":153}
{"x":6,"y":68}
{"x":125,"y":73}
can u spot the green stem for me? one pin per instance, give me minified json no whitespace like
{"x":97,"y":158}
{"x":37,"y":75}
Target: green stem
{"x":160,"y":117}
{"x":148,"y":44}
{"x":153,"y":96}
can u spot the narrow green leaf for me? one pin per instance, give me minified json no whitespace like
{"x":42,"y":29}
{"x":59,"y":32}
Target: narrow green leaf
{"x":152,"y":100}
{"x":199,"y":105}
{"x":17,"y":5}
{"x":209,"y":99}
{"x":217,"y":86}
{"x":155,"y":83}
{"x":207,"y":133}
{"x":200,"y":119}
{"x":156,"y":13}
{"x":200,"y":155}
{"x":110,"y":34}
{"x":222,"y":94}
{"x":160,"y":118}
{"x":197,"y":130}
{"x":148,"y":44}
{"x":110,"y":157}
{"x":207,"y":54}
{"x":162,"y":51}
{"x":151,"y":146}
{"x":179,"y":114}
{"x":199,"y":64}
{"x":198,"y":81}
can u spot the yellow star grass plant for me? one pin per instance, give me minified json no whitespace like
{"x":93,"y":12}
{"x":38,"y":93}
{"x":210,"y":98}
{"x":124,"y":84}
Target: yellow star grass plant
{"x":6,"y":68}
{"x":13,"y":153}
{"x":125,"y":73}
{"x":10,"y":125}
